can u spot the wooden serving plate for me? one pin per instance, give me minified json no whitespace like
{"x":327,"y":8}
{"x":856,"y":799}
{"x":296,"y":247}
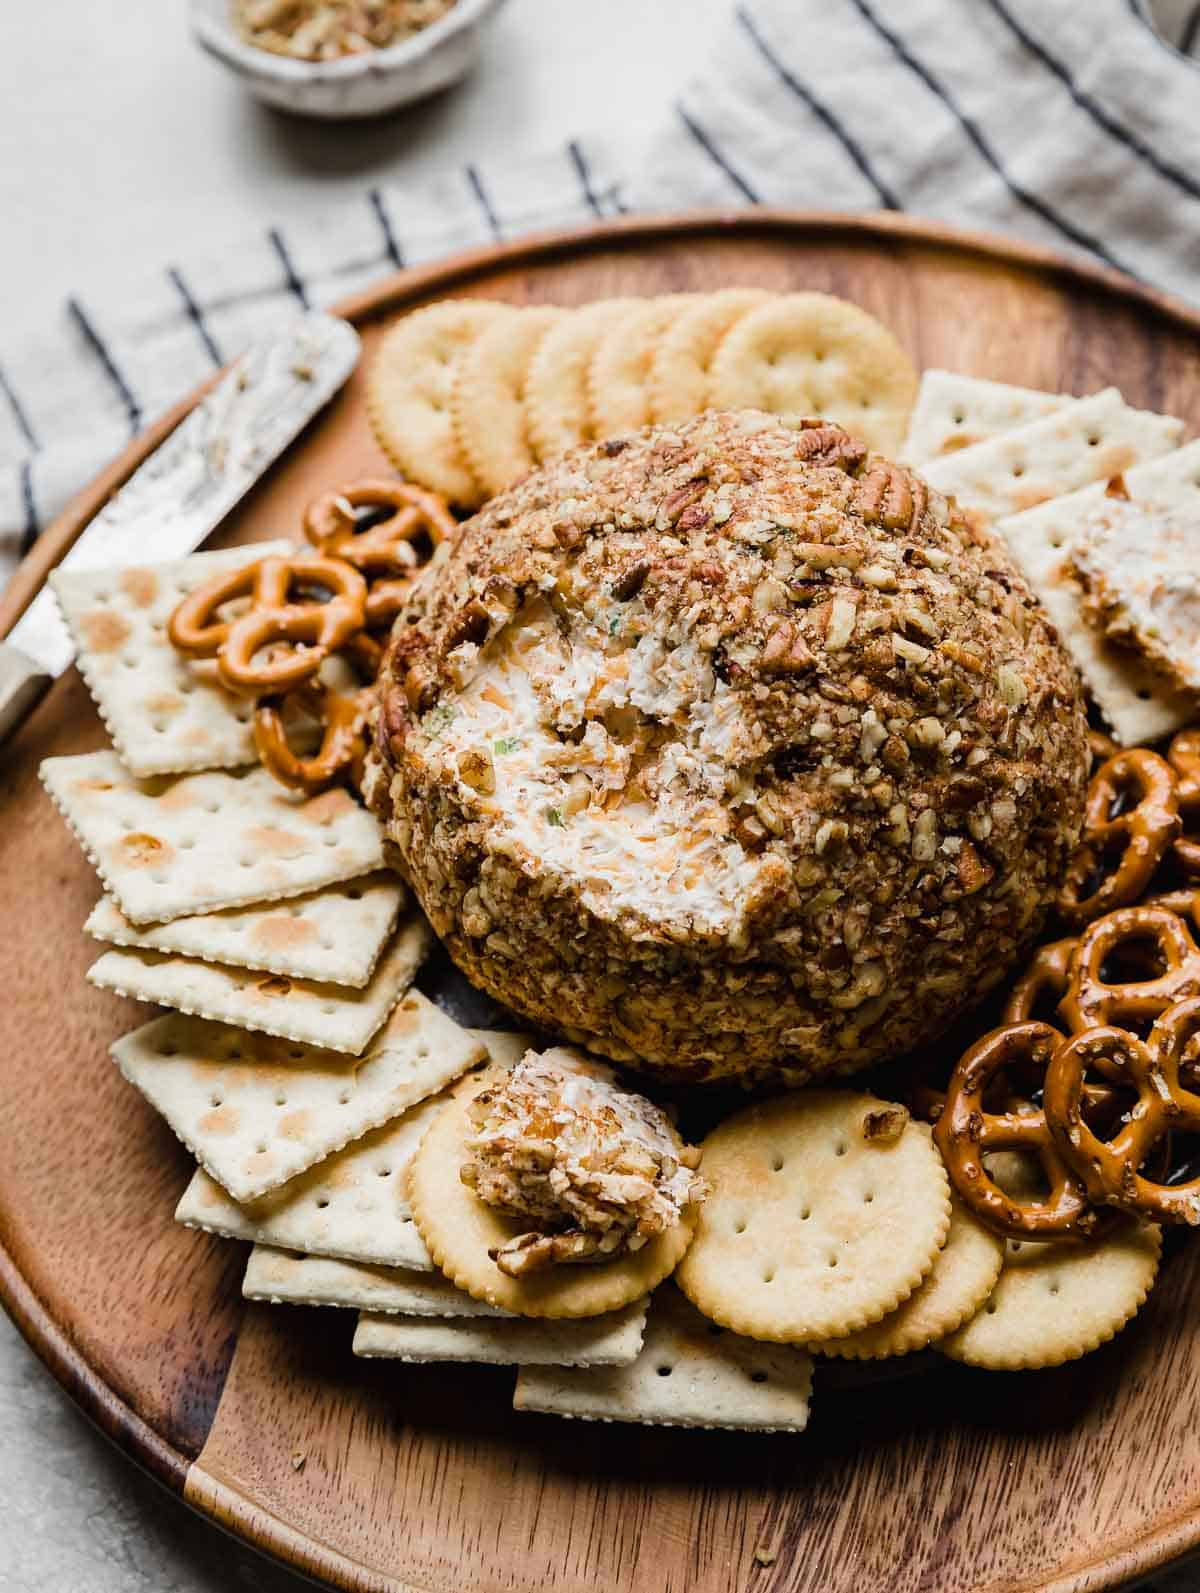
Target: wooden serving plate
{"x":421,"y":1477}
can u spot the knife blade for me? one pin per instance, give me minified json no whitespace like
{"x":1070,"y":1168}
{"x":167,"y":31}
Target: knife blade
{"x":189,"y":483}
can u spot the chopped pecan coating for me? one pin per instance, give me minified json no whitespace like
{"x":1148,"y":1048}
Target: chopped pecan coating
{"x":597,"y":1169}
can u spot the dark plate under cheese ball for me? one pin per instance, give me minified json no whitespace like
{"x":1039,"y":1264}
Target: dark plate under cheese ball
{"x":731,"y":751}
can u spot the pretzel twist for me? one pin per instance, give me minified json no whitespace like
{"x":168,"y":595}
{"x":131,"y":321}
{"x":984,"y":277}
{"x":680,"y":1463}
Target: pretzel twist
{"x":1184,"y":902}
{"x":342,"y":715}
{"x":1141,"y":834}
{"x":1041,"y":988}
{"x":369,"y":541}
{"x":966,"y":1130}
{"x":300,"y":635}
{"x":193,"y":627}
{"x":1093,"y":1001}
{"x":1043,"y":984}
{"x":388,"y":551}
{"x":1184,"y":757}
{"x":1113,"y":1169}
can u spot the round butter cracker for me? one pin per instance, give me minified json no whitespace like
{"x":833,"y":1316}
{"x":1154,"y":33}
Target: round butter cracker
{"x":813,"y":1229}
{"x":487,"y":399}
{"x":459,"y":1230}
{"x":810,"y":354}
{"x":620,"y":367}
{"x":680,"y":374}
{"x":408,"y":394}
{"x":1054,"y":1302}
{"x":556,"y":391}
{"x":963,"y":1276}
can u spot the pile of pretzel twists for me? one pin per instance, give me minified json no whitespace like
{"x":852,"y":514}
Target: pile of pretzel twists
{"x":303,"y":634}
{"x":1094,"y":1075}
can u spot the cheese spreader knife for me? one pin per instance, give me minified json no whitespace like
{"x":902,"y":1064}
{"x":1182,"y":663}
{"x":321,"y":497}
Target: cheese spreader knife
{"x":188,"y":484}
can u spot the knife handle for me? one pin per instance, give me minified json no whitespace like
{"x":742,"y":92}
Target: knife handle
{"x":22,"y":684}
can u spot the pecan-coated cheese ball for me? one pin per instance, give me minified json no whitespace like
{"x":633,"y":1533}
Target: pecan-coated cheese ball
{"x":730,"y":750}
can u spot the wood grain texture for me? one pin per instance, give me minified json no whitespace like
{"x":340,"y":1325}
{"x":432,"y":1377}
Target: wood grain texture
{"x":951,"y":1481}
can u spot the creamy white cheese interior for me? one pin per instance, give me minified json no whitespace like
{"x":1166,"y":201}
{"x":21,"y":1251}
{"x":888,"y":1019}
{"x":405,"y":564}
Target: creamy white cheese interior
{"x":607,"y":762}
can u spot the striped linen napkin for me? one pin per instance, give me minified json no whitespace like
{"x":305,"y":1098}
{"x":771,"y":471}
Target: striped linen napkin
{"x":1068,"y":124}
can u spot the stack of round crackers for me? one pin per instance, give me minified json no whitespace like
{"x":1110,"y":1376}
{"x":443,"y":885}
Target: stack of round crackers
{"x":831,"y":1223}
{"x":467,"y":396}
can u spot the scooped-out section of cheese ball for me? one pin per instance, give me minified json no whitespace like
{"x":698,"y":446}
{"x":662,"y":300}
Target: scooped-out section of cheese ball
{"x":730,"y":750}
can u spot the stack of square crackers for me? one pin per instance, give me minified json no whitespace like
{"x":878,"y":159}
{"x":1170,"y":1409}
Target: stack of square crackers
{"x":1038,"y":466}
{"x":226,"y":897}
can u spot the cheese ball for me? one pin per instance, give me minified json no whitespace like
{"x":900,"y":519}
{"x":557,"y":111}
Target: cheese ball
{"x":731,"y":751}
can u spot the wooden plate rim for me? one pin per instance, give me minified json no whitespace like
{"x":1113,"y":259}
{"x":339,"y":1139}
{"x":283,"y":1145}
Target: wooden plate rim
{"x":1133,"y":1557}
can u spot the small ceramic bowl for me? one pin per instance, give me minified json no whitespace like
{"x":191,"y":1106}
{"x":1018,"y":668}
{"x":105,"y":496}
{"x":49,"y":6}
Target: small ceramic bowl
{"x":354,"y":85}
